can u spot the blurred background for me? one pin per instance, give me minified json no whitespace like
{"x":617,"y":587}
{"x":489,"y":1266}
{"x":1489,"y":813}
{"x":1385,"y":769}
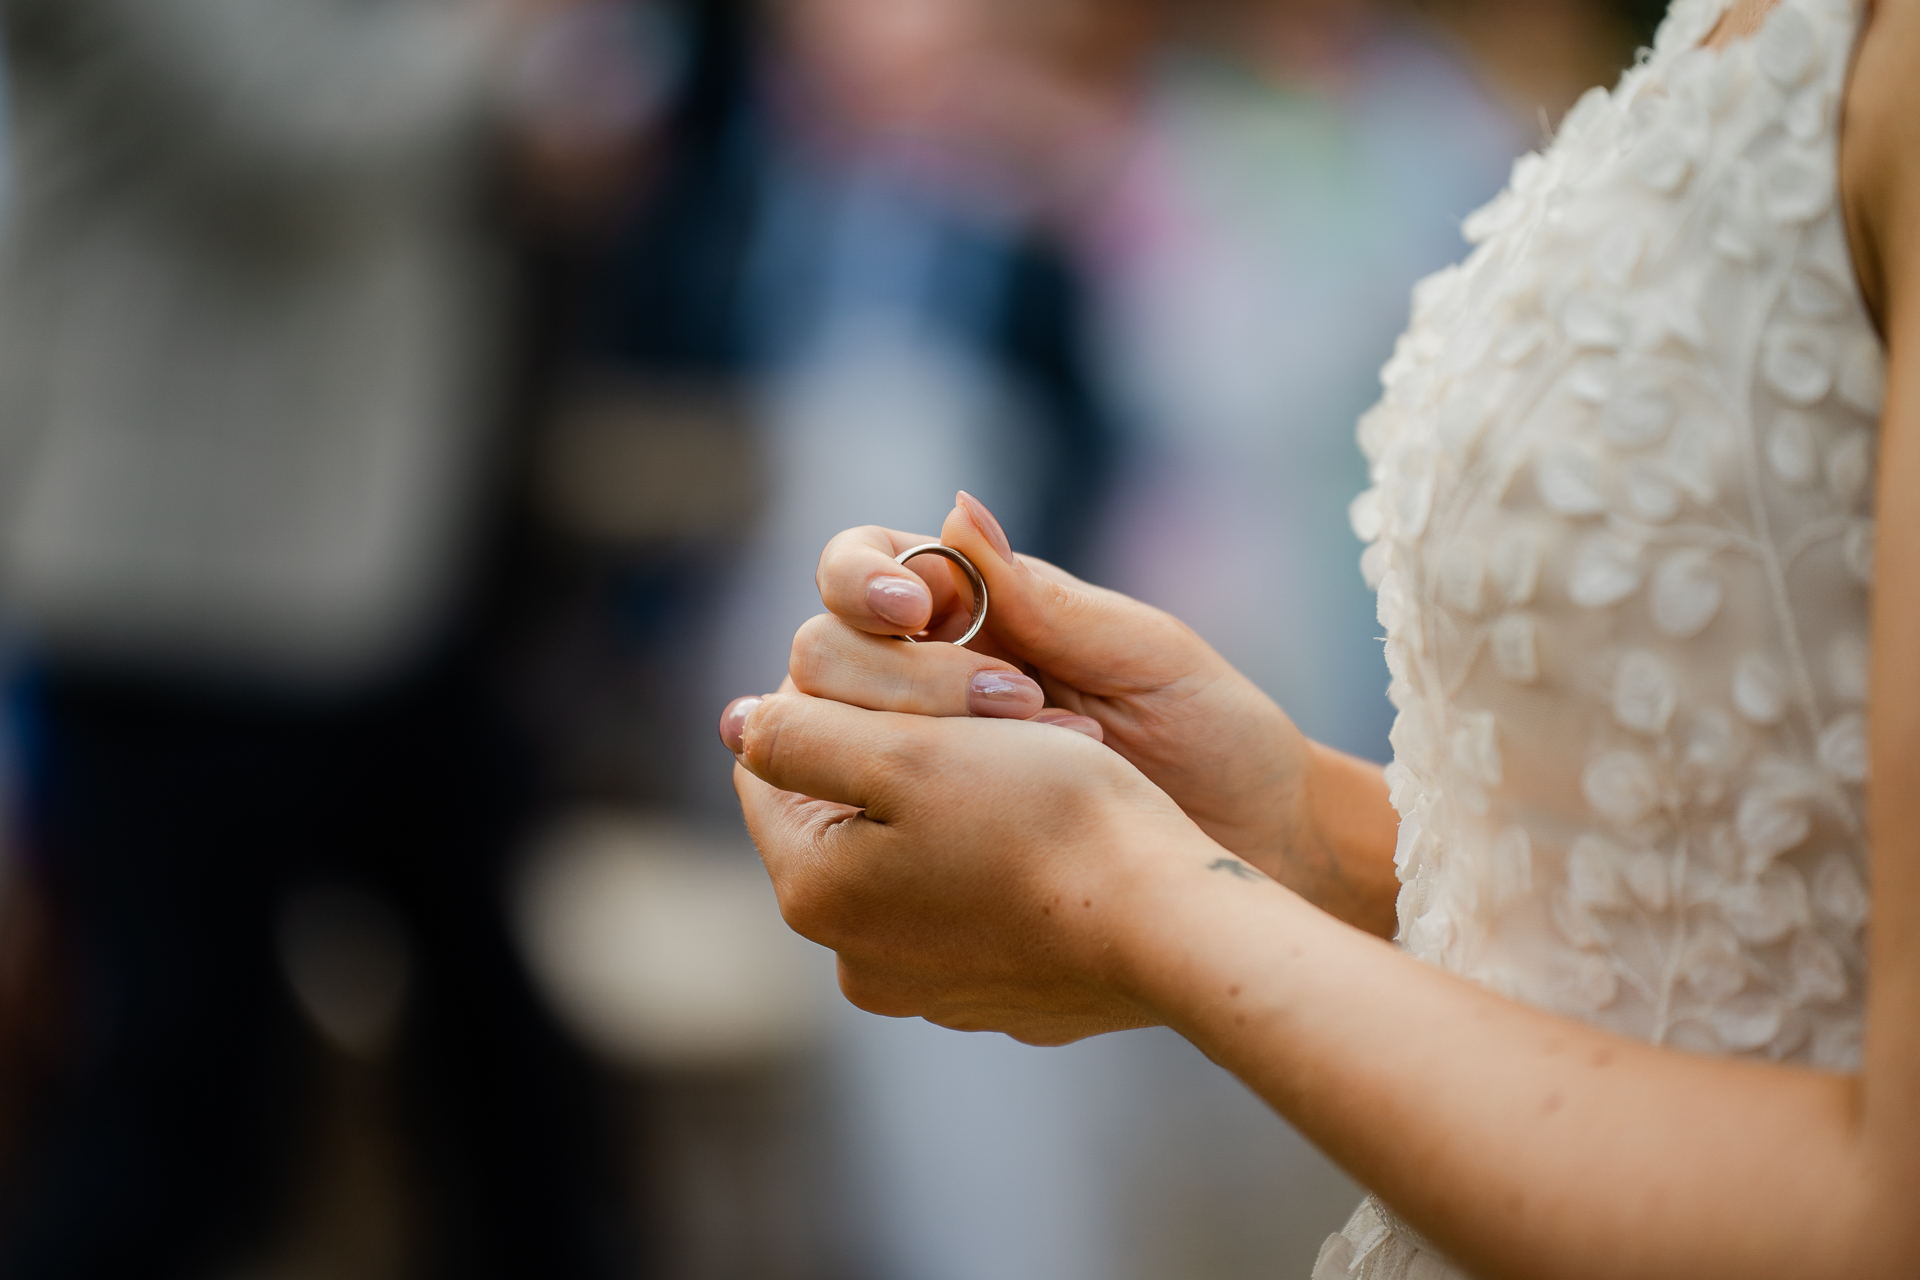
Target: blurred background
{"x":418,"y":418}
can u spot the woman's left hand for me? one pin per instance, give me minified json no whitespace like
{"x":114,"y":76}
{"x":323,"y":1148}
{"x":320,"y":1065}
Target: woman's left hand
{"x":976,"y":873}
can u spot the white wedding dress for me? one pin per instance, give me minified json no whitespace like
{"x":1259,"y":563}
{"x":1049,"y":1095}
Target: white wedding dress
{"x":1622,"y":534}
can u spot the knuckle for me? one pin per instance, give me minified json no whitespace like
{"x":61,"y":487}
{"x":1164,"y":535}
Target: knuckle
{"x":874,"y":993}
{"x":902,"y":757}
{"x":837,"y":544}
{"x":812,"y":653}
{"x":844,"y":553}
{"x":804,"y":907}
{"x":808,"y":901}
{"x":760,"y":736}
{"x":1072,"y":608}
{"x":814,"y":896}
{"x":917,"y":685}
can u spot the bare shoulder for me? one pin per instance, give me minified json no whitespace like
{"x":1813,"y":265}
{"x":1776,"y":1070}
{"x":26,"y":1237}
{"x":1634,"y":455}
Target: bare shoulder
{"x":1880,"y":159}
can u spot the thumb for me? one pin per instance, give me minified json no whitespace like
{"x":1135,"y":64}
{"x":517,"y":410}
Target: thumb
{"x":1080,"y":633}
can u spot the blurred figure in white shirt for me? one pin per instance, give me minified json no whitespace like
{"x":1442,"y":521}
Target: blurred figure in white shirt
{"x":252,"y":314}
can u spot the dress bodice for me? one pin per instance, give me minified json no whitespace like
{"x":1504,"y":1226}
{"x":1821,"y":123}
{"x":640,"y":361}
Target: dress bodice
{"x":1622,"y":535}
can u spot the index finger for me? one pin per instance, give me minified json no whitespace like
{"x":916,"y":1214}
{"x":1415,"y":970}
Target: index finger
{"x":861,"y":583}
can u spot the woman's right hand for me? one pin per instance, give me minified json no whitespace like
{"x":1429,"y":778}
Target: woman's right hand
{"x":1316,"y":821}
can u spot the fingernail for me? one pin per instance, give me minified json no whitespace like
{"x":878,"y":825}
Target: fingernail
{"x":905,"y":602}
{"x":989,"y":527}
{"x":733,"y":723}
{"x":1007,"y":695}
{"x":1079,"y":724}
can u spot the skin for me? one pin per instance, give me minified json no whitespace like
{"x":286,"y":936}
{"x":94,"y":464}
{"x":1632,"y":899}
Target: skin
{"x":1163,"y":699}
{"x":1212,"y":870}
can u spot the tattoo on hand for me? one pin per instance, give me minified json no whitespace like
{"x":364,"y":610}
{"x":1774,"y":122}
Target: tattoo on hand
{"x":1233,"y":866}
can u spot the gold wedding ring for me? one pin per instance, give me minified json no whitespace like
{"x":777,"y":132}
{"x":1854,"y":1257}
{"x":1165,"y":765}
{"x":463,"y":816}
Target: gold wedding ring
{"x":973,"y":576}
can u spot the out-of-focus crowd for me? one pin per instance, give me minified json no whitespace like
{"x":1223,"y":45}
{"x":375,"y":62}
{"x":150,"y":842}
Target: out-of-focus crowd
{"x":418,"y":417}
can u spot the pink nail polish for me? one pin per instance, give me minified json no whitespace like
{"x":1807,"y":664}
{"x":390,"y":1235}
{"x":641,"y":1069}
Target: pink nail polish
{"x":904,"y":602}
{"x":733,"y":723}
{"x":1004,"y":695}
{"x":988,"y":526}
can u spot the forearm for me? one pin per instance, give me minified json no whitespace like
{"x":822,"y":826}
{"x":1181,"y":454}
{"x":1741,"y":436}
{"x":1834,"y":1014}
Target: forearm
{"x":1523,"y":1144}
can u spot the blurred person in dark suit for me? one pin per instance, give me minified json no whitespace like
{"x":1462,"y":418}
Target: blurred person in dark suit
{"x":250,"y":338}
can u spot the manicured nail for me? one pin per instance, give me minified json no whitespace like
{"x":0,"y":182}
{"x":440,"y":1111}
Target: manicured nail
{"x":1078,"y":724}
{"x":989,"y":527}
{"x":905,"y":602}
{"x":733,"y":723}
{"x":1006,"y":695}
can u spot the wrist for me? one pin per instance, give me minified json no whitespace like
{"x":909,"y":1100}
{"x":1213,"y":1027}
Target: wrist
{"x":1339,"y":852}
{"x":1189,"y":923}
{"x":1329,"y":829}
{"x":1257,"y":779}
{"x":1156,"y":896}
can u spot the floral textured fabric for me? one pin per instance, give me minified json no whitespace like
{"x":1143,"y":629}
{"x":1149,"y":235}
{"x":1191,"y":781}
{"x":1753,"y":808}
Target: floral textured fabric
{"x":1622,"y":535}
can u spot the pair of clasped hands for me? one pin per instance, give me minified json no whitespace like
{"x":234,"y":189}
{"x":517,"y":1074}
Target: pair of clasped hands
{"x":983,"y":834}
